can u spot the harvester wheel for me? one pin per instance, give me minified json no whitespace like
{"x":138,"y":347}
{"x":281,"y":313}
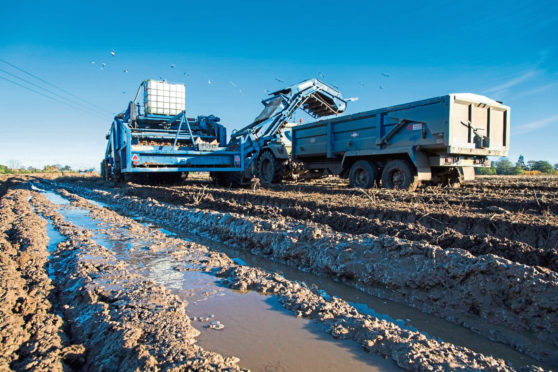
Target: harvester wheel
{"x":169,"y":178}
{"x":363,"y":174}
{"x":104,"y":170}
{"x":270,"y":169}
{"x":399,"y":174}
{"x":228,"y":179}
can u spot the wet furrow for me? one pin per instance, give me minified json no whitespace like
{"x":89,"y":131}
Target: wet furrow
{"x":496,"y":234}
{"x":253,"y":322}
{"x":244,"y":278}
{"x":495,"y":333}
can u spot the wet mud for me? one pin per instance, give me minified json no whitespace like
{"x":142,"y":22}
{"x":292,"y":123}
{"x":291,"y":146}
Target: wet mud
{"x":521,"y":228}
{"x":112,"y":293}
{"x":450,"y":283}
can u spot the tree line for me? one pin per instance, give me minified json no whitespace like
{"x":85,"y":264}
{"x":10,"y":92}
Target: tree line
{"x":506,"y":167}
{"x":55,"y":168}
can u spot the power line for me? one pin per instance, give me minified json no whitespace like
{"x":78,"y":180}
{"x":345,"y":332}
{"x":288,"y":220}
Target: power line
{"x":51,"y":84}
{"x":47,"y":96}
{"x":51,"y":92}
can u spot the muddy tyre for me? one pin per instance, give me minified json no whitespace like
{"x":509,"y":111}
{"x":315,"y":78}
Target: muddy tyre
{"x":363,"y":174}
{"x":399,"y":174}
{"x":270,"y":169}
{"x":454,"y":178}
{"x":104,"y":175}
{"x":228,"y":179}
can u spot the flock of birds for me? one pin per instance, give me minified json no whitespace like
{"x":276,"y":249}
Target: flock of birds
{"x":232,"y":83}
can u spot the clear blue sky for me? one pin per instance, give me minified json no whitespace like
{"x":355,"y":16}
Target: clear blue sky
{"x":507,"y":50}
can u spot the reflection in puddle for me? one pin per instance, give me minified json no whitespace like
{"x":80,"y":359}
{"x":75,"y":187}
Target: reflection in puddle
{"x":161,"y":270}
{"x":251,"y":326}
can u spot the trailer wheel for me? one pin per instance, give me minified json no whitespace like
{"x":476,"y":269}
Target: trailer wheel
{"x":399,"y":174}
{"x":270,"y":169}
{"x":363,"y":174}
{"x":454,"y":178}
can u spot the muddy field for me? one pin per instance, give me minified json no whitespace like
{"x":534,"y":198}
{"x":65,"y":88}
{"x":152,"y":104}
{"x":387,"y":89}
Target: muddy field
{"x":307,"y":276}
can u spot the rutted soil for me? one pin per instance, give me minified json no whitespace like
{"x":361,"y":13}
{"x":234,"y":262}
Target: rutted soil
{"x":527,"y":233}
{"x":32,"y":333}
{"x":125,"y":321}
{"x":450,"y":283}
{"x":409,"y":349}
{"x":88,"y":308}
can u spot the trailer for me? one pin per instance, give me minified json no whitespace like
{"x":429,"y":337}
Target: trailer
{"x":438,"y":140}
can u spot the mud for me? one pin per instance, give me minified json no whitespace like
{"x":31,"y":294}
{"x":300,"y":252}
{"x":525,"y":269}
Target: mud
{"x":125,"y":321}
{"x":524,"y":230}
{"x":102,"y":309}
{"x":409,"y":349}
{"x":32,"y":333}
{"x":450,"y":283}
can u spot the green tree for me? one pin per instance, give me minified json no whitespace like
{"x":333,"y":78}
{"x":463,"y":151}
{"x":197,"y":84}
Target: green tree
{"x":543,"y":166}
{"x":504,"y":166}
{"x":489,"y":171}
{"x":4,"y":169}
{"x":521,"y":162}
{"x":556,"y":166}
{"x":531,"y":164}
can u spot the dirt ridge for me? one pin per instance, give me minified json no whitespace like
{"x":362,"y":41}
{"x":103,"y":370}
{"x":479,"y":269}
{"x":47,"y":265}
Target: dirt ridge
{"x":33,"y":334}
{"x":450,"y":283}
{"x":409,"y":349}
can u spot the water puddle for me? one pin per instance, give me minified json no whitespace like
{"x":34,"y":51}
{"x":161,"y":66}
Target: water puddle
{"x":261,"y":331}
{"x":401,"y":314}
{"x":251,"y":326}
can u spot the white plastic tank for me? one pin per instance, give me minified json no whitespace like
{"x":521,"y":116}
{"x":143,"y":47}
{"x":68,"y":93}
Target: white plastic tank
{"x":162,"y":98}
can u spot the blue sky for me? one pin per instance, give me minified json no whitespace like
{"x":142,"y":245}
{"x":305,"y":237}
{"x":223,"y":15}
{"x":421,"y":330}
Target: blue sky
{"x":505,"y":50}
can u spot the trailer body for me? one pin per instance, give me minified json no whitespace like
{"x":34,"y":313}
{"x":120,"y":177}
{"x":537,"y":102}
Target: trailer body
{"x":452,"y":131}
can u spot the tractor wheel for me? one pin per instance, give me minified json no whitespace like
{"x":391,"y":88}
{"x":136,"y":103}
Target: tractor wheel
{"x":399,"y":174}
{"x":363,"y":174}
{"x":270,"y":170}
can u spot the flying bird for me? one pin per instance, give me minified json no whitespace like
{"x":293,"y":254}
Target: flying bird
{"x":125,"y":70}
{"x":279,"y":80}
{"x":381,"y":87}
{"x":172,"y":66}
{"x":385,"y":74}
{"x":209,"y":82}
{"x":112,"y":53}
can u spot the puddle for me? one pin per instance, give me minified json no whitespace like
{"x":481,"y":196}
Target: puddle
{"x":274,"y":340}
{"x":224,"y":303}
{"x":256,"y":328}
{"x":403,"y":315}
